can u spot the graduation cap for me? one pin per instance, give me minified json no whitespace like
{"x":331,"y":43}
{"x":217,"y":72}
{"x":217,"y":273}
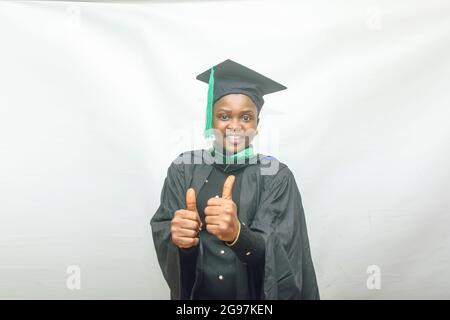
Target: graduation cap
{"x":230,"y":77}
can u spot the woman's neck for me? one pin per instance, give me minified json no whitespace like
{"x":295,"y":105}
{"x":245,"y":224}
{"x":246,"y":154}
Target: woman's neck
{"x":224,"y":156}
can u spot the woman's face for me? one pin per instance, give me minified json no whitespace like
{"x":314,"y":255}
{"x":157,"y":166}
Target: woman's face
{"x":235,"y":120}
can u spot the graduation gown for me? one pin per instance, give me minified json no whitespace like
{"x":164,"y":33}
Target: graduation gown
{"x":270,"y":205}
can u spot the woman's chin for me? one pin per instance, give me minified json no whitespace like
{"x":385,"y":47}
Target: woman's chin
{"x":234,"y":147}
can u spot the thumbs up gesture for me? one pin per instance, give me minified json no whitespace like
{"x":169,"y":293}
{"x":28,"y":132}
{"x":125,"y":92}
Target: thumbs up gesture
{"x":186,"y":223}
{"x":221,"y":214}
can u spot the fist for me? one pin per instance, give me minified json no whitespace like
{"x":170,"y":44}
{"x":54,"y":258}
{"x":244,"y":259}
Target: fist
{"x":186,"y":223}
{"x":221,"y":214}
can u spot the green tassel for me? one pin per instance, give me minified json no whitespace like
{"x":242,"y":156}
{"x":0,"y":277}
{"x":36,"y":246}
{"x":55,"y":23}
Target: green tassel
{"x":209,"y":108}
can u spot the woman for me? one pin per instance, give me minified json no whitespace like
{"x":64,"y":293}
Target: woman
{"x":231,"y":223}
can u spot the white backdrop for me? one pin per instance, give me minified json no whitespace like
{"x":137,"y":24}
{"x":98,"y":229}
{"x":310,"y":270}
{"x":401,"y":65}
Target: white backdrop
{"x":97,"y":98}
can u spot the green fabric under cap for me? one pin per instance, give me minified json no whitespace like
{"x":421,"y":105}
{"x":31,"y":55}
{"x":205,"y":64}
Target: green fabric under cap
{"x":209,"y":107}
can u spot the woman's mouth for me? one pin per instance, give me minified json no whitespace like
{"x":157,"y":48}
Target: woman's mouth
{"x":235,"y":139}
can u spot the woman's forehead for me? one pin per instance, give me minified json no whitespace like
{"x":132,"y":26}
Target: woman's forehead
{"x":235,"y":102}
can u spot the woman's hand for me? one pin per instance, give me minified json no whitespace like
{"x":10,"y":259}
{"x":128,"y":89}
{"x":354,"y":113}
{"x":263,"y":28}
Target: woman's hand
{"x":186,"y":224}
{"x":221,"y":214}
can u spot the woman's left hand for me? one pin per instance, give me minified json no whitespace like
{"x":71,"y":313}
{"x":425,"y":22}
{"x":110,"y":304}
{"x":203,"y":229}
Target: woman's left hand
{"x":221,"y":214}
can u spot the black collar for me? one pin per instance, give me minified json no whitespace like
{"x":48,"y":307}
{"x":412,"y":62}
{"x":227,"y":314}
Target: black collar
{"x":229,"y":168}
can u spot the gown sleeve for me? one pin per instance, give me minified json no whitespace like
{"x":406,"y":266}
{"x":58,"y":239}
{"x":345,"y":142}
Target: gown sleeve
{"x":172,"y":199}
{"x":249,"y":246}
{"x":288,"y":269}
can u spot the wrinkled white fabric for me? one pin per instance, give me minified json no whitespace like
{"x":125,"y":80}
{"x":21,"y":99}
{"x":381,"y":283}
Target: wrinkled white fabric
{"x":98,"y":98}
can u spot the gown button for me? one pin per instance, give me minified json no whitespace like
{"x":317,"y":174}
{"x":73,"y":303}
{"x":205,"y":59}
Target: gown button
{"x":220,"y":277}
{"x":222,"y":251}
{"x":206,"y":181}
{"x":248,"y":253}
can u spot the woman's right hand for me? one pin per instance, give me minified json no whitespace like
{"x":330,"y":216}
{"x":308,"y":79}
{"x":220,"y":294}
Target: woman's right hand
{"x":186,"y":223}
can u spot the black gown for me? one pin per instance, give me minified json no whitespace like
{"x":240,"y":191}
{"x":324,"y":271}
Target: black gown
{"x":270,"y":260}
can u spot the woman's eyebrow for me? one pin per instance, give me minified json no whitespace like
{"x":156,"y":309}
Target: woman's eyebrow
{"x":229,"y":110}
{"x":224,"y":109}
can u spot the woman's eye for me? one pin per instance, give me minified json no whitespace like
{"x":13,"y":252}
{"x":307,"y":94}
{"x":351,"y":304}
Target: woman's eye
{"x":223,"y":117}
{"x":246,"y":117}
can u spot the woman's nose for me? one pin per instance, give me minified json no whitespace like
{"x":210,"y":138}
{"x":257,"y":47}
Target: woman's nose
{"x":234,"y":125}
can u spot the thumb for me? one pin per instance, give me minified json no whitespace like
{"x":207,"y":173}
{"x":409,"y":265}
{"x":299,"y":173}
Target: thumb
{"x":228,"y":188}
{"x":191,"y":203}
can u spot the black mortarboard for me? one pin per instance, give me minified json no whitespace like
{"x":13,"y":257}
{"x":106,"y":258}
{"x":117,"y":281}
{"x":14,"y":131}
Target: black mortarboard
{"x":231,"y":77}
